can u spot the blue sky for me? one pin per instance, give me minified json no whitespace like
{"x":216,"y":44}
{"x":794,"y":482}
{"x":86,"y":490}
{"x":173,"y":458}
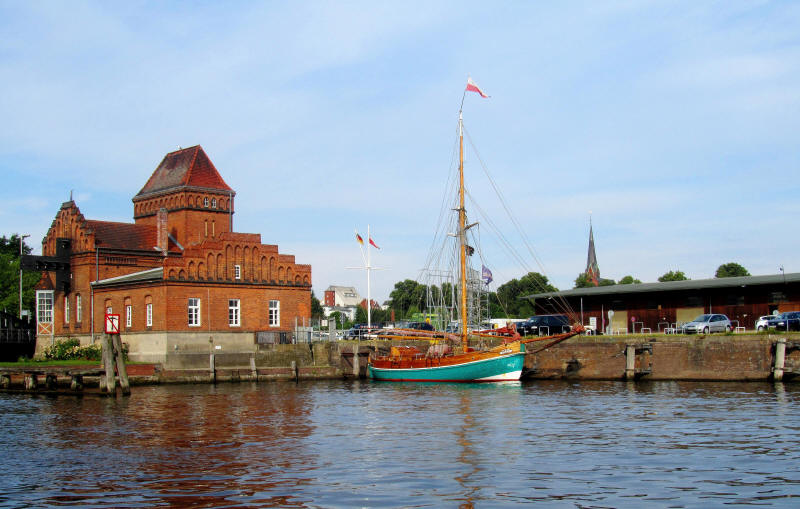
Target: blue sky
{"x":677,"y":124}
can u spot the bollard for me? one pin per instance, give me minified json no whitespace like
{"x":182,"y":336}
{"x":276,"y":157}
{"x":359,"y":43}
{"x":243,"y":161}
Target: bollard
{"x":780,"y":359}
{"x":630,"y":362}
{"x":253,"y":370}
{"x":294,"y":371}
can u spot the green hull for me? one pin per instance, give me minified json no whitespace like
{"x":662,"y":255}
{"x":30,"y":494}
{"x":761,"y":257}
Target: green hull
{"x":498,"y":369}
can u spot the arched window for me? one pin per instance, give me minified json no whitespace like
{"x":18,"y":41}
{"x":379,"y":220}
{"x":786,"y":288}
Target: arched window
{"x":213,"y":203}
{"x":205,"y":202}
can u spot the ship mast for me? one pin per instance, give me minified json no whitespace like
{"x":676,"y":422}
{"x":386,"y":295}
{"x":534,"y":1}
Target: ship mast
{"x":462,"y":232}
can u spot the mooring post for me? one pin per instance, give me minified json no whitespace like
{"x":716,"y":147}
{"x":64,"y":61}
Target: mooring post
{"x":124,"y":383}
{"x":630,"y":362}
{"x":212,"y":369}
{"x":780,"y":359}
{"x":253,"y":370}
{"x":108,"y":364}
{"x":356,"y":367}
{"x":294,"y":371}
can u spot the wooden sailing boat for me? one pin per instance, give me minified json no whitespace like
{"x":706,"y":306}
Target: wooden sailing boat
{"x":461,"y":362}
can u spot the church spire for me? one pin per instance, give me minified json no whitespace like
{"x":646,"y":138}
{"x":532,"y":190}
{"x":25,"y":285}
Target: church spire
{"x":592,"y":269}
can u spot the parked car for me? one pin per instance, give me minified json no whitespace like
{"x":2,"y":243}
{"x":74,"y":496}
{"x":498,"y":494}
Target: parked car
{"x":359,"y":331}
{"x":762,"y":322}
{"x":706,"y":324}
{"x":419,"y":326}
{"x":544,"y":325}
{"x":790,"y":320}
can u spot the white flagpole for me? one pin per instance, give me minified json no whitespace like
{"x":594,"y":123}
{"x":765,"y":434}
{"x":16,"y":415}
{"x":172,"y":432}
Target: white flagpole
{"x":369,"y":301}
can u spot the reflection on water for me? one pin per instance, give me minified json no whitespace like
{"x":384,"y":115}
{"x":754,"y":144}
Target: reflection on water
{"x":365,"y":444}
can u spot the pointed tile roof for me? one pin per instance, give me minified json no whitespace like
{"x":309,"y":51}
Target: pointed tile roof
{"x":188,"y":167}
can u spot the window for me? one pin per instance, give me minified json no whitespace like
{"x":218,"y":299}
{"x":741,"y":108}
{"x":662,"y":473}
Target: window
{"x":237,"y":270}
{"x":128,"y":315}
{"x":78,"y":312}
{"x":66,"y":309}
{"x":205,"y":202}
{"x":274,"y":313}
{"x":213,"y":203}
{"x":194,"y":312}
{"x":233,"y":312}
{"x":149,"y":308}
{"x":44,"y":306}
{"x":109,"y":310}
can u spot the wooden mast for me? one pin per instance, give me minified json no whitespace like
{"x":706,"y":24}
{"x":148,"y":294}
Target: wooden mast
{"x":462,"y":233}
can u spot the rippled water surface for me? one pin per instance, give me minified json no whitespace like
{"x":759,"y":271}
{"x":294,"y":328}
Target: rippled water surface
{"x":367,"y":444}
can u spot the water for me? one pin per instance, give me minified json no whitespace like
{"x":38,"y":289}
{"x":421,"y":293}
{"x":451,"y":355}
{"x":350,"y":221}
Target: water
{"x":367,"y":444}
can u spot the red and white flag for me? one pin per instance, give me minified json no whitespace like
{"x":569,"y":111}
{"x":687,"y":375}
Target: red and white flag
{"x":472,"y":87}
{"x":373,"y":243}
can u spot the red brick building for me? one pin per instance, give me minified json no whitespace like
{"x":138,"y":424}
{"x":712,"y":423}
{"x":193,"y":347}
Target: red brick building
{"x":180,"y":278}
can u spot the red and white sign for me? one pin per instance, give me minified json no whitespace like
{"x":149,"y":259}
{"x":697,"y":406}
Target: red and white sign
{"x":112,"y":324}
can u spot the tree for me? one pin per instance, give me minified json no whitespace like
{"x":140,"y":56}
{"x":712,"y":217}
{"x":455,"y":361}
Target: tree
{"x":9,"y":277}
{"x":407,"y":294}
{"x":676,"y":275}
{"x":508,"y":294}
{"x":629,"y":280}
{"x":731,"y":270}
{"x":361,"y":315}
{"x":582,"y":281}
{"x":316,"y":307}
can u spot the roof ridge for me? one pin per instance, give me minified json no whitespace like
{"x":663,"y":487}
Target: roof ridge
{"x":188,"y":177}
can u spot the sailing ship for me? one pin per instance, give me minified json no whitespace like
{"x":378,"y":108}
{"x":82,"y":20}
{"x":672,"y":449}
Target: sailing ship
{"x":451,"y":357}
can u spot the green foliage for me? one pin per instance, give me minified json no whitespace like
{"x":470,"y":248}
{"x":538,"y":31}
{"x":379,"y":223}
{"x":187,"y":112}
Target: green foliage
{"x":316,"y":307}
{"x":676,"y":275}
{"x":629,"y":280}
{"x":508,"y":294}
{"x":71,"y":348}
{"x":731,"y":270}
{"x":583,"y":282}
{"x":406,"y":295}
{"x":361,"y":315}
{"x":9,"y":277}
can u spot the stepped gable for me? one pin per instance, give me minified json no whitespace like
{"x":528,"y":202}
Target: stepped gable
{"x":185,"y":168}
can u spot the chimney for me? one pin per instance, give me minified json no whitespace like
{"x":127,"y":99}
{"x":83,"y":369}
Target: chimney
{"x":162,"y":233}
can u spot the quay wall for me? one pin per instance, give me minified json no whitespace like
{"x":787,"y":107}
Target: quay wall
{"x":711,"y":358}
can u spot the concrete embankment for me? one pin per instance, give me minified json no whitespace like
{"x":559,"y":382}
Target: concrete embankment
{"x":659,"y":357}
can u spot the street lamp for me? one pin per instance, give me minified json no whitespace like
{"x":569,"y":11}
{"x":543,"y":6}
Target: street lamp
{"x":21,"y":238}
{"x":784,"y":275}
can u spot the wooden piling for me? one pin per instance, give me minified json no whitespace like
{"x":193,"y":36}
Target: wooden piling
{"x":253,"y":370}
{"x":630,"y":362}
{"x":780,"y":360}
{"x":122,"y":371}
{"x":212,"y":368}
{"x":295,"y":373}
{"x":110,"y":384}
{"x":356,"y":367}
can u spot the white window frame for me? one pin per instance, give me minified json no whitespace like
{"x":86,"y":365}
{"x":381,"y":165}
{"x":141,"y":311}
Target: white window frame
{"x":66,"y":308}
{"x":44,"y":306}
{"x":195,"y":317}
{"x":274,"y":313}
{"x":213,"y":203}
{"x":149,"y":313}
{"x":78,"y":310}
{"x":128,"y":316}
{"x":237,"y":271}
{"x":234,"y":313}
{"x":205,"y":202}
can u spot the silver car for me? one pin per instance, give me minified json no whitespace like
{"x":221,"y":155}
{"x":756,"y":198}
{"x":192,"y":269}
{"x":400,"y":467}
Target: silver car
{"x":705,"y":324}
{"x":761,"y":323}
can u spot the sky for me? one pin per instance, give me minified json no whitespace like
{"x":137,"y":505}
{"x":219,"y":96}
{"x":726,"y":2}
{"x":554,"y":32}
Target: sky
{"x":674,"y":125}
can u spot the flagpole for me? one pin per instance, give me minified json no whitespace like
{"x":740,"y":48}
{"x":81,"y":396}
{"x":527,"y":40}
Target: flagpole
{"x":369,"y":267}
